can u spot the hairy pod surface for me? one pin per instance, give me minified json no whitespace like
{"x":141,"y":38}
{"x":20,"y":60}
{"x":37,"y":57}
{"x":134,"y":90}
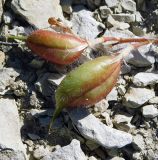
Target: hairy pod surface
{"x":56,"y":47}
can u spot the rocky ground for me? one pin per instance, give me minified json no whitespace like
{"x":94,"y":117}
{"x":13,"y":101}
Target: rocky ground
{"x":121,"y":127}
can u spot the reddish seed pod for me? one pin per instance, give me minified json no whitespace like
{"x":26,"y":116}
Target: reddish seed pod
{"x":56,"y":47}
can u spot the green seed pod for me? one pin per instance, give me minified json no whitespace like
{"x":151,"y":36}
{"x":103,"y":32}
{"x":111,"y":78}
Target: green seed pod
{"x":87,"y":84}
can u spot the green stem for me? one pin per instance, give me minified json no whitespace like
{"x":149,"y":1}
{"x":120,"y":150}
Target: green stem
{"x":55,"y":115}
{"x":20,"y":37}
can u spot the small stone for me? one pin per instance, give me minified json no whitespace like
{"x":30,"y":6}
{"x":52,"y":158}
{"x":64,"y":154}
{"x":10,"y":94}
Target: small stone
{"x":92,"y":158}
{"x":107,"y":119}
{"x":101,"y":106}
{"x":7,"y":17}
{"x":143,"y":79}
{"x":128,"y":5}
{"x":141,"y":57}
{"x":37,"y":13}
{"x":149,"y":111}
{"x":92,"y":129}
{"x":113,"y":95}
{"x":137,"y":156}
{"x":124,"y":17}
{"x":40,"y":152}
{"x":153,"y":100}
{"x":139,"y":17}
{"x":10,"y":126}
{"x":121,"y":90}
{"x":91,"y":145}
{"x":116,"y":24}
{"x":138,"y":30}
{"x":7,"y":76}
{"x":122,"y":122}
{"x":2,"y":59}
{"x":138,"y":142}
{"x":69,"y":152}
{"x":85,"y":25}
{"x":112,"y":3}
{"x":104,"y":11}
{"x":135,"y":97}
{"x":8,"y":154}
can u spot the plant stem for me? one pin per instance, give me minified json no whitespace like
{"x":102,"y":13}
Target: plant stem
{"x":19,"y":37}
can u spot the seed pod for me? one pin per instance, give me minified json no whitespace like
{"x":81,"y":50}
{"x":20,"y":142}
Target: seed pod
{"x":56,"y":47}
{"x":87,"y":84}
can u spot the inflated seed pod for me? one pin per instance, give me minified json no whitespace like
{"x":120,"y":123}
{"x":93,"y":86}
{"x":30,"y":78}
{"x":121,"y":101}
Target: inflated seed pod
{"x":87,"y":84}
{"x":56,"y":47}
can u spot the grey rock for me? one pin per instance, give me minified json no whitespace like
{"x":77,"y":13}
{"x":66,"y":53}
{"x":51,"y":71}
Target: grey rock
{"x":124,"y":17}
{"x":85,"y":25}
{"x":149,"y":111}
{"x":7,"y":17}
{"x":128,"y":5}
{"x":138,"y":30}
{"x":11,"y":155}
{"x":121,"y":90}
{"x":10,"y":132}
{"x":141,"y":57}
{"x":104,"y":11}
{"x":47,"y":83}
{"x":138,"y":16}
{"x":122,"y":122}
{"x":101,"y":106}
{"x":92,"y":158}
{"x":1,"y":8}
{"x":7,"y":76}
{"x":69,"y":152}
{"x":40,"y":152}
{"x":2,"y":59}
{"x":112,"y":3}
{"x":118,"y":25}
{"x":142,"y":79}
{"x":138,"y":142}
{"x":153,"y":100}
{"x":91,"y":128}
{"x":135,"y":97}
{"x":112,"y":96}
{"x":117,"y":158}
{"x":37,"y":12}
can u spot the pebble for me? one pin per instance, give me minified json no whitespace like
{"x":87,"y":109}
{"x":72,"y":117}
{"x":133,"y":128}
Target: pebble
{"x":112,"y":3}
{"x":92,"y":129}
{"x":37,"y":13}
{"x":116,"y":24}
{"x":122,"y":122}
{"x":128,"y":5}
{"x":101,"y":106}
{"x":9,"y":154}
{"x":40,"y":152}
{"x":124,"y":17}
{"x":92,"y":158}
{"x":135,"y":97}
{"x":149,"y":111}
{"x":143,"y":79}
{"x":113,"y":95}
{"x":104,"y":11}
{"x":138,"y":142}
{"x":69,"y":152}
{"x":7,"y":76}
{"x":10,"y":126}
{"x":2,"y":59}
{"x":141,"y":57}
{"x":85,"y":25}
{"x":153,"y":100}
